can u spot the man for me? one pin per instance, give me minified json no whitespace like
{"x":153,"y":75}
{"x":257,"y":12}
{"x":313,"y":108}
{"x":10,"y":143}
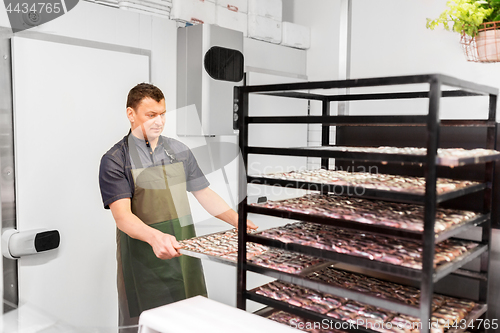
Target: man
{"x":143,"y":180}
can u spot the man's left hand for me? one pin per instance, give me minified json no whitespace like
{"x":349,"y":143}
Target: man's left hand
{"x":250,"y":225}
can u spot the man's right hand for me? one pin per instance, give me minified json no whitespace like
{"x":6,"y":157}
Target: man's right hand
{"x":165,"y":246}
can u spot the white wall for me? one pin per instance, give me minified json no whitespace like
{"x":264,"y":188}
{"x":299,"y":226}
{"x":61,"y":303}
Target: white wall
{"x":395,"y":41}
{"x":273,"y":57}
{"x":323,"y":18}
{"x":389,"y":37}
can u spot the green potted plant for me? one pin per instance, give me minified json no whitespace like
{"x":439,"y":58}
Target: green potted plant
{"x":478,"y":21}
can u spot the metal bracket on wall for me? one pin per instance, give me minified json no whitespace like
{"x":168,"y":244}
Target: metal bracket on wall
{"x":345,"y":37}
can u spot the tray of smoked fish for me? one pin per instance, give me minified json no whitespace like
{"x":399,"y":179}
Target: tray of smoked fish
{"x":391,"y":215}
{"x":370,"y":286}
{"x":310,"y":326}
{"x":391,"y":250}
{"x":446,"y":311}
{"x":450,"y":157}
{"x":223,"y":247}
{"x":368,"y":180}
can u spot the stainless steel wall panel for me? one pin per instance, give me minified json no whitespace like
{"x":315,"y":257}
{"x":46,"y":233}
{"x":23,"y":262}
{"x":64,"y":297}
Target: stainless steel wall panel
{"x":7,"y":179}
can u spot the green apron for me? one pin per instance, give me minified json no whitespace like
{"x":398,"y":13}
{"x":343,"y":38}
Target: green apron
{"x":144,"y":281}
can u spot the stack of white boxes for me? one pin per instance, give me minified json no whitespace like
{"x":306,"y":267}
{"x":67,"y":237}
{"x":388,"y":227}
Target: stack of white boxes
{"x":264,"y":20}
{"x":109,"y":3}
{"x":258,"y":19}
{"x":160,"y":8}
{"x":193,"y":11}
{"x":295,"y":35}
{"x":232,"y":14}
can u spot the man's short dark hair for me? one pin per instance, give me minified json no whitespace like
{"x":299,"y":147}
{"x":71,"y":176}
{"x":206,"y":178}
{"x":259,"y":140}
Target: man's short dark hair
{"x":143,"y":90}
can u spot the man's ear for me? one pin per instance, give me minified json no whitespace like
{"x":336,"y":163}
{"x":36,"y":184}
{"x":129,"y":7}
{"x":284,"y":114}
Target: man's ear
{"x":131,"y":114}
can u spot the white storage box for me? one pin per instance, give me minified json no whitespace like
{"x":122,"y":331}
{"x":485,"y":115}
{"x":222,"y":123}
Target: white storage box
{"x":295,"y":35}
{"x":133,"y":7}
{"x":240,"y":6}
{"x":193,"y":11}
{"x":263,"y":28}
{"x":232,"y":20}
{"x":156,"y":6}
{"x":268,"y":8}
{"x":199,"y":314}
{"x":111,"y":3}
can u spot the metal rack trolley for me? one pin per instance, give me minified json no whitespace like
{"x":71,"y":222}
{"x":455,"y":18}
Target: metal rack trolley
{"x":428,"y":275}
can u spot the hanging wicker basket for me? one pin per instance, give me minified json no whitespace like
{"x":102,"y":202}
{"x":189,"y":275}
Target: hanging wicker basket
{"x":485,"y":45}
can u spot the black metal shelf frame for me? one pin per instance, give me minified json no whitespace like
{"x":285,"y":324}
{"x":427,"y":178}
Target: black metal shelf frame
{"x":392,"y":305}
{"x":326,"y":152}
{"x":428,"y":275}
{"x":330,"y":322}
{"x":316,"y":317}
{"x":364,"y":192}
{"x":379,"y":266}
{"x":415,"y":120}
{"x":372,"y":228}
{"x":467,"y":88}
{"x":411,"y":310}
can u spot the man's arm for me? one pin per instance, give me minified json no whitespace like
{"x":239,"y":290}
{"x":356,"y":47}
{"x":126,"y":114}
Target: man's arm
{"x":164,"y":245}
{"x":216,"y":206}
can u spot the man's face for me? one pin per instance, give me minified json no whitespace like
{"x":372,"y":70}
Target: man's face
{"x":148,"y":119}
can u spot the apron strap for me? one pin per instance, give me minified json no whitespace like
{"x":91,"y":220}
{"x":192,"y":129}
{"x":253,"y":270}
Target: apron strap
{"x":133,"y":152}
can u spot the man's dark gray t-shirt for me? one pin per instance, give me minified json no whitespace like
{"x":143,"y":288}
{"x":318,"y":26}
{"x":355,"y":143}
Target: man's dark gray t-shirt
{"x":115,"y":176}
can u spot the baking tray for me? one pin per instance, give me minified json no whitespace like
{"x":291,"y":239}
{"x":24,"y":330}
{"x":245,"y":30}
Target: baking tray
{"x":219,"y":259}
{"x":344,"y":152}
{"x":453,"y":230}
{"x":379,"y":266}
{"x":405,"y":196}
{"x":475,"y":313}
